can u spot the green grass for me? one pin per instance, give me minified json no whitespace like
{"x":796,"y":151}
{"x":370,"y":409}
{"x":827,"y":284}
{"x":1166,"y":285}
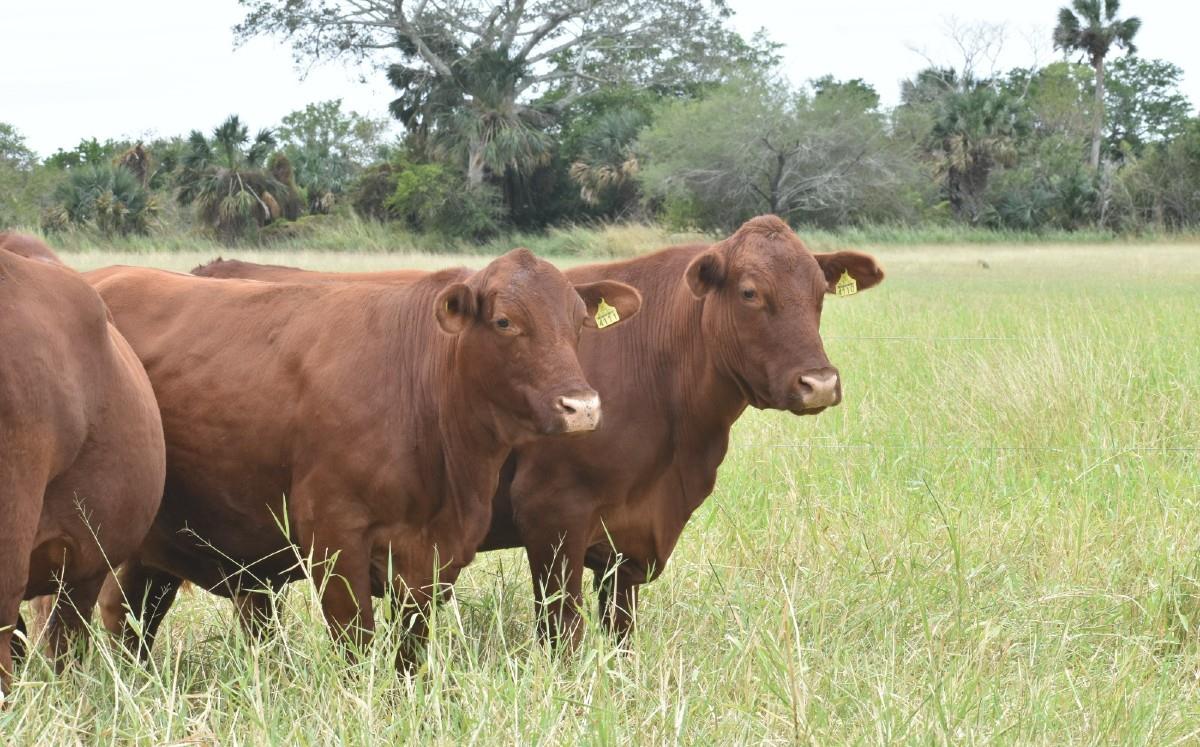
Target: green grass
{"x":994,"y":539}
{"x":353,"y":236}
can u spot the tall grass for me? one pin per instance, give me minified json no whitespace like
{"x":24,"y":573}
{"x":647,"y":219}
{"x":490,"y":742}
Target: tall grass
{"x":993,"y":539}
{"x":351,"y":235}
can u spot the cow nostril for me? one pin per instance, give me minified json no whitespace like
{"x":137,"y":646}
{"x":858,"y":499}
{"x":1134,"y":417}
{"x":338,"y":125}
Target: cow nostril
{"x":805,"y":386}
{"x":565,"y":406}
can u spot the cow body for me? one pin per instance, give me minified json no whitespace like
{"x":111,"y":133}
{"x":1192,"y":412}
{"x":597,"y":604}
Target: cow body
{"x":235,"y":268}
{"x":81,"y":445}
{"x":338,"y":423}
{"x":722,"y":327}
{"x":27,"y":246}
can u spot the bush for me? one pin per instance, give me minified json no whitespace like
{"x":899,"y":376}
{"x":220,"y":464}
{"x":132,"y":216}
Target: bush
{"x":370,"y":194}
{"x":108,"y":198}
{"x":428,"y":198}
{"x":304,"y":227}
{"x":1161,"y":190}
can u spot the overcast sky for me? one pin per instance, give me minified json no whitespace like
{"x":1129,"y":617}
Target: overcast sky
{"x":128,"y":68}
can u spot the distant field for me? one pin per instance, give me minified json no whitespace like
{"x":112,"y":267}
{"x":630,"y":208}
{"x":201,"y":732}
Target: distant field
{"x":994,"y":538}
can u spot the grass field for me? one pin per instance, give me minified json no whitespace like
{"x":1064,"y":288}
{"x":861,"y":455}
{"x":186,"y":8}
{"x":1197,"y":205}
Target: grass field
{"x":994,"y":539}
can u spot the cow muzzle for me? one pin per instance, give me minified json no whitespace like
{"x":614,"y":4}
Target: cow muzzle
{"x":816,"y":390}
{"x":578,"y":413}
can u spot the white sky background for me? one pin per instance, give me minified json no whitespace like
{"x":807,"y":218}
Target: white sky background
{"x":71,"y":69}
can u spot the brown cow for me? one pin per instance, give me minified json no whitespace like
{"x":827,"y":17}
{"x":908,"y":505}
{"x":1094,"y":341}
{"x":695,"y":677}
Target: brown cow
{"x":81,"y":446}
{"x":722,"y":327}
{"x":27,"y":246}
{"x":235,"y":268}
{"x":359,"y":426}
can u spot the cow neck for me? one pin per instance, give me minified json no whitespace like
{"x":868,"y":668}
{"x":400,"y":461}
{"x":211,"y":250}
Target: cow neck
{"x":473,"y":447}
{"x":711,"y":396}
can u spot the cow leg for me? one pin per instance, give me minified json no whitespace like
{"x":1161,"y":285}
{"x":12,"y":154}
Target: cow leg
{"x":332,"y":535}
{"x":69,"y":617}
{"x":413,"y":601}
{"x":558,"y":588}
{"x":22,"y":506}
{"x":143,"y":593}
{"x":20,"y":640}
{"x":617,"y":583}
{"x":416,"y":593}
{"x":342,"y":573}
{"x":255,"y":611}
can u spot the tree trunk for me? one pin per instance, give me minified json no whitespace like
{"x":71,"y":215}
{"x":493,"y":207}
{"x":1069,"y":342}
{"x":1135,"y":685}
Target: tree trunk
{"x":475,"y":165}
{"x":1098,"y":114}
{"x":776,"y":179}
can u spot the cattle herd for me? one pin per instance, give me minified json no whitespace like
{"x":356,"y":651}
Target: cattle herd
{"x":249,"y":425}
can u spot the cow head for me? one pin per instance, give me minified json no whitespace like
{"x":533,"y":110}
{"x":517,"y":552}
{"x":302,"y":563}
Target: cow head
{"x":763,"y":292}
{"x":519,"y":321}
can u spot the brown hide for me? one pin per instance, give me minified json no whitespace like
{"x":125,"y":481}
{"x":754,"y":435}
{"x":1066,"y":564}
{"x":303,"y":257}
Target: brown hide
{"x":81,"y":444}
{"x":370,"y":420}
{"x":30,"y":247}
{"x":721,"y":327}
{"x":235,"y":268}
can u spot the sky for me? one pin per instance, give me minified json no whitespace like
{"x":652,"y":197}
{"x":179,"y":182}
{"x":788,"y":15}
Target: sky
{"x":71,"y":69}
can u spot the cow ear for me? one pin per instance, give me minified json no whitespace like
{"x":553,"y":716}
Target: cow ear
{"x":705,"y":273}
{"x":455,"y":308}
{"x":862,"y":267}
{"x":624,"y":299}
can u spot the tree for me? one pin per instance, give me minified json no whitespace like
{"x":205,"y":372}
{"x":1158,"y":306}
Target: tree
{"x":855,"y":93}
{"x":24,"y":185}
{"x":757,"y":147}
{"x":608,"y":165}
{"x":89,"y":151}
{"x":976,"y":130}
{"x":1160,"y":189}
{"x":1092,"y":31}
{"x":328,"y":148}
{"x":491,"y":75}
{"x":226,"y":179}
{"x":13,"y":150}
{"x":1144,"y":104}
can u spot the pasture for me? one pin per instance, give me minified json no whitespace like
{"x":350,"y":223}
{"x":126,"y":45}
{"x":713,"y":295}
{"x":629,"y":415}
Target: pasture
{"x":994,"y":539}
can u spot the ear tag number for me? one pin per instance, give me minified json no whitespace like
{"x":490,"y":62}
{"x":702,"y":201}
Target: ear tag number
{"x":606,"y":315}
{"x":846,"y":285}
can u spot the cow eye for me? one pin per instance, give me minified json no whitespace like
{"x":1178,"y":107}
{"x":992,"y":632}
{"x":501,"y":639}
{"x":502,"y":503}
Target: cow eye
{"x":502,"y":323}
{"x":749,"y":294}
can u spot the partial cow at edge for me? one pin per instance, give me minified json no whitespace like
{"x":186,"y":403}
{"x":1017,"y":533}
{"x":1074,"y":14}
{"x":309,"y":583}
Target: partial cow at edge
{"x":81,"y":445}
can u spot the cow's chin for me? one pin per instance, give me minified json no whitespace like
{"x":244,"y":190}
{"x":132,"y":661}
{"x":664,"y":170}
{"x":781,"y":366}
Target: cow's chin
{"x":797,"y":409}
{"x":558,"y":425}
{"x":541,"y":424}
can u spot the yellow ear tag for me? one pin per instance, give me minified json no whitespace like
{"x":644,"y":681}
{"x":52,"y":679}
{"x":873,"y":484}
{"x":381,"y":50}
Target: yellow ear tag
{"x":606,"y":315}
{"x":846,"y":285}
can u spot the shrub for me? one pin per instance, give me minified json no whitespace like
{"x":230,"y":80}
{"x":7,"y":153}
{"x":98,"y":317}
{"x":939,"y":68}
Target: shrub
{"x":429,"y":198}
{"x":105,"y":197}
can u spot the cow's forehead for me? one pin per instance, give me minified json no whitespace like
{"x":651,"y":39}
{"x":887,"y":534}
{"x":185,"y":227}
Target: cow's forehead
{"x":777,"y":253}
{"x":526,"y":281}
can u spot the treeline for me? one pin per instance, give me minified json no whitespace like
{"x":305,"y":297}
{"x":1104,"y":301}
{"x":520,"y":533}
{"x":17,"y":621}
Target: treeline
{"x":701,"y":132}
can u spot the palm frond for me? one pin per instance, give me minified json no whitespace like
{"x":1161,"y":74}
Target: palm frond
{"x":1066,"y":33}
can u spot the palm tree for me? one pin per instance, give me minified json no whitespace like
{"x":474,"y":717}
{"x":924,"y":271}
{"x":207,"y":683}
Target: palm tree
{"x":473,"y":116}
{"x":104,"y":196}
{"x":976,"y":130}
{"x":607,"y":163}
{"x":227,"y":178}
{"x":1092,"y":31}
